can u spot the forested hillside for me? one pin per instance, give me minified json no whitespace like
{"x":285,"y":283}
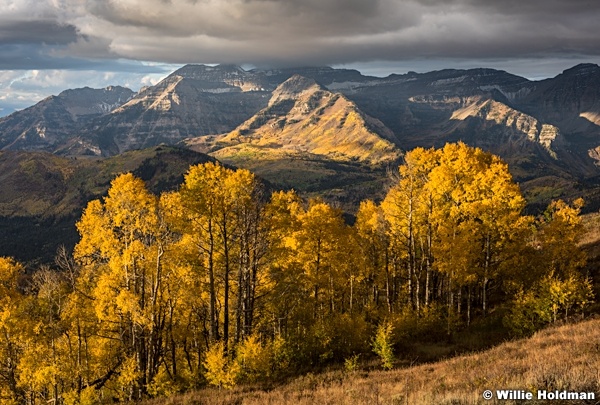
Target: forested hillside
{"x":217,"y":283}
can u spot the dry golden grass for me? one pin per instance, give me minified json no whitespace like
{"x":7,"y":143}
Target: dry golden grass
{"x":558,"y":358}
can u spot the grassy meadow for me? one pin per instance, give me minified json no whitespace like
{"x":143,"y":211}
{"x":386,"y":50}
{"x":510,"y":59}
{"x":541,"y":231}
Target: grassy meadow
{"x":564,"y":357}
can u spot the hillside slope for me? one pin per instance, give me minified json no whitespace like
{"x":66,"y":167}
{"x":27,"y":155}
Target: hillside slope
{"x":43,"y":194}
{"x":558,"y":358}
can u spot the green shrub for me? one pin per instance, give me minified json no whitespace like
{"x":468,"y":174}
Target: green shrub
{"x":550,"y":298}
{"x":382,"y":345}
{"x":351,"y":363}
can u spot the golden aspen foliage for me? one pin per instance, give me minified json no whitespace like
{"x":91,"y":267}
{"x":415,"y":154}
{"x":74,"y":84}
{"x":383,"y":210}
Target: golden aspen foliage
{"x":254,"y":359}
{"x":12,"y":327}
{"x":317,"y":247}
{"x":221,"y":215}
{"x":286,"y":280}
{"x":479,"y":205}
{"x":221,"y":371}
{"x":121,"y":246}
{"x":408,"y":210}
{"x":47,"y":363}
{"x":374,"y":258}
{"x":558,"y":286}
{"x":217,"y":284}
{"x":560,"y":233}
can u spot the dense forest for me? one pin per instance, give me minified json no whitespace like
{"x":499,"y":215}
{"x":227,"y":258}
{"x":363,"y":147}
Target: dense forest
{"x":219,"y":283}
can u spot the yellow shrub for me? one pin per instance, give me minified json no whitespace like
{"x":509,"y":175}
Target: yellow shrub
{"x":220,"y":371}
{"x":254,"y":359}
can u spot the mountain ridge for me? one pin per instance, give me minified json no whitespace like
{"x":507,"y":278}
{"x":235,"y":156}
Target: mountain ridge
{"x":561,"y":114}
{"x":49,"y":123}
{"x":304,"y":117}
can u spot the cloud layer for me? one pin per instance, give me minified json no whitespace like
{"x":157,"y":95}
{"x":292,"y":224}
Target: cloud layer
{"x":49,"y":45}
{"x":291,"y":32}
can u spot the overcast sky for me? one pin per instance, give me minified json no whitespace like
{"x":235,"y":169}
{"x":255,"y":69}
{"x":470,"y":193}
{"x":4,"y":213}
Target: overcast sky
{"x":47,"y":46}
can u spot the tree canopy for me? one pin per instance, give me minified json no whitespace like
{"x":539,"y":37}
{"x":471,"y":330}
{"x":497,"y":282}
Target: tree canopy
{"x":217,"y":283}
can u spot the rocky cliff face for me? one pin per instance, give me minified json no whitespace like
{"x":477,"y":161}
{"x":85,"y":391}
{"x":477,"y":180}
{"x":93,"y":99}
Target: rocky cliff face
{"x":571,"y":102}
{"x":302,"y":117}
{"x":415,"y":106}
{"x":57,"y":119}
{"x":226,"y":78}
{"x":178,"y":107}
{"x":87,"y":102}
{"x":562,"y":100}
{"x":504,"y":125}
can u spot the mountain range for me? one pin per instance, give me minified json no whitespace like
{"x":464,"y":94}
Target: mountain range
{"x":560,"y":114}
{"x":323,"y":131}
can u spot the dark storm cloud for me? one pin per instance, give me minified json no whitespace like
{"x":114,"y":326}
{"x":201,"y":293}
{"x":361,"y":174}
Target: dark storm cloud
{"x":235,"y":20}
{"x":339,"y":31}
{"x":304,"y":31}
{"x":30,"y":32}
{"x":34,"y":56}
